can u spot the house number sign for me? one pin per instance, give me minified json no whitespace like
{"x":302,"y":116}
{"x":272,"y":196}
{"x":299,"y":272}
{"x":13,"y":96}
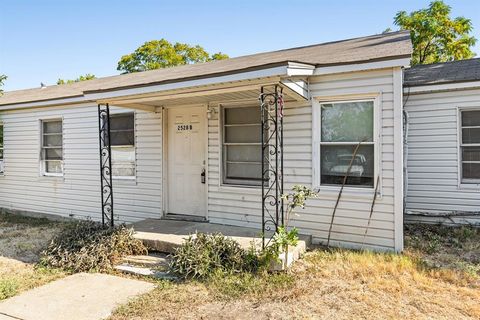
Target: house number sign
{"x":184,"y":127}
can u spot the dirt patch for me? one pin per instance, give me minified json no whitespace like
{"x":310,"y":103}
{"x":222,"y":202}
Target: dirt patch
{"x":23,"y":238}
{"x":338,"y":284}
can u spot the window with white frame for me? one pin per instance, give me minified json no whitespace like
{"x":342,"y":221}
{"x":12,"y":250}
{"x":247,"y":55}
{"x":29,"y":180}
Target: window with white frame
{"x":345,"y":125}
{"x":52,"y":147}
{"x":242,"y":149}
{"x":470,"y":146}
{"x":122,"y":140}
{"x":1,"y":149}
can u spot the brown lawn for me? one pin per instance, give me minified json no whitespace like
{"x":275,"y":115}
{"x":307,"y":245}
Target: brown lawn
{"x":438,"y":277}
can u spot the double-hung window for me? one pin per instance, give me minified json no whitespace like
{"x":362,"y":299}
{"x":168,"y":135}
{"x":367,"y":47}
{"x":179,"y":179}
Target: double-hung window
{"x":1,"y":150}
{"x":242,"y":150}
{"x":470,"y":146}
{"x":345,"y":125}
{"x":122,"y":140}
{"x":52,"y":147}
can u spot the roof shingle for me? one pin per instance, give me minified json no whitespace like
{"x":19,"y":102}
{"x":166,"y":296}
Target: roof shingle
{"x":366,"y":49}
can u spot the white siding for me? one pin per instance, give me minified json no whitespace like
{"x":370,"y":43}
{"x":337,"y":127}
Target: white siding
{"x":77,"y":193}
{"x":242,"y":206}
{"x":433,"y":158}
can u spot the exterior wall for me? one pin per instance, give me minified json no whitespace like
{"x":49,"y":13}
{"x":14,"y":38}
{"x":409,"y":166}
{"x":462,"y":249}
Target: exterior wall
{"x":77,"y":193}
{"x":242,"y":206}
{"x":434,"y":186}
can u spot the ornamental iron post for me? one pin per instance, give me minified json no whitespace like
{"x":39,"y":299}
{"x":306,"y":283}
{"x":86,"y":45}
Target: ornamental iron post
{"x":105,"y":164}
{"x":271,"y":106}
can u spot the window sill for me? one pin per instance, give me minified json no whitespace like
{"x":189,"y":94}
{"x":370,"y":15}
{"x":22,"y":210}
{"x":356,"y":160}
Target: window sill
{"x":129,"y":180}
{"x":333,"y":191}
{"x":469,"y":186}
{"x":240,"y":188}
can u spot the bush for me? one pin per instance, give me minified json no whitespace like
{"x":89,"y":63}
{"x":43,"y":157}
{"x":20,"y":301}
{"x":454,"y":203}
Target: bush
{"x":202,"y":255}
{"x":88,"y":246}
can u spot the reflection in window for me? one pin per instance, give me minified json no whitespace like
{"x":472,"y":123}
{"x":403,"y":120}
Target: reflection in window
{"x":343,"y":126}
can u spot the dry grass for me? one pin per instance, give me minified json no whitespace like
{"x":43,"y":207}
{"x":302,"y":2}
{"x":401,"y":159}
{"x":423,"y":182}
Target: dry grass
{"x":338,"y":284}
{"x":21,"y":241}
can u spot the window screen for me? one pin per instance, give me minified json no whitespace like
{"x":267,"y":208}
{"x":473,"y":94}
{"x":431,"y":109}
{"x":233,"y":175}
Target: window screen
{"x":122,"y":139}
{"x":470,"y":146}
{"x":52,"y":147}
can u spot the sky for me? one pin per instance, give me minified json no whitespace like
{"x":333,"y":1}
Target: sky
{"x":44,"y":40}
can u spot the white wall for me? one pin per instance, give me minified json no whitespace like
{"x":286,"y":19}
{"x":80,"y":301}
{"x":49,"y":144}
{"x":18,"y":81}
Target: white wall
{"x":77,"y":193}
{"x":433,"y":156}
{"x":242,"y":206}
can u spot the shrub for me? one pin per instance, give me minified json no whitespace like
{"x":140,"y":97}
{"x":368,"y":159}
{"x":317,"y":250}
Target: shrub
{"x":88,"y":246}
{"x":202,"y":255}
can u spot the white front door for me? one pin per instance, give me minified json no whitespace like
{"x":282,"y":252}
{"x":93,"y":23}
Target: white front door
{"x":186,"y":161}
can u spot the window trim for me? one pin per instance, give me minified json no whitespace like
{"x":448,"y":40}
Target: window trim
{"x":43,"y":171}
{"x":224,"y":182}
{"x":316,"y":142}
{"x":134,"y":176}
{"x":464,"y":183}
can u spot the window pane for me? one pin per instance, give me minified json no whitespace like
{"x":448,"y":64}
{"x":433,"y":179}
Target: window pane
{"x":244,"y":134}
{"x":52,"y":127}
{"x":471,"y":135}
{"x":122,"y":121}
{"x":53,"y":166}
{"x":471,"y":170}
{"x":244,"y":153}
{"x":53,"y":154}
{"x":122,"y":138}
{"x":335,"y":161}
{"x":242,"y":115}
{"x":471,"y":153}
{"x":244,"y":171}
{"x":347,"y":122}
{"x":123,"y":162}
{"x":54,"y":140}
{"x":470,"y":118}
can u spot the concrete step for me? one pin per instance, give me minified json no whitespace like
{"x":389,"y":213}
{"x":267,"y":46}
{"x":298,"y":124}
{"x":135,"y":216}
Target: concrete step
{"x":152,"y":260}
{"x":145,"y":272}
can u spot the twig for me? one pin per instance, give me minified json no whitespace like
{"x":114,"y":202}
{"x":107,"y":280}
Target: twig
{"x":341,"y":191}
{"x":371,"y":210}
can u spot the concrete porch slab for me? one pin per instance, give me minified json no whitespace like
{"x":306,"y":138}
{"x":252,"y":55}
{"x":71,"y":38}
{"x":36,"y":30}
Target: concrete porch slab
{"x":166,"y":235}
{"x":83,"y":296}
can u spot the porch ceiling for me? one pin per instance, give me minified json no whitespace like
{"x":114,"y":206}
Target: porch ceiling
{"x":208,"y":95}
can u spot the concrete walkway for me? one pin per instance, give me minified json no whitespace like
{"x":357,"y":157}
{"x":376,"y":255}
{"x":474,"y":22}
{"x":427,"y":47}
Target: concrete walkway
{"x":81,"y":296}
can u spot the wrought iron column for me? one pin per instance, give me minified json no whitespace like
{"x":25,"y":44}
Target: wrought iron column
{"x":105,"y":164}
{"x":271,"y":106}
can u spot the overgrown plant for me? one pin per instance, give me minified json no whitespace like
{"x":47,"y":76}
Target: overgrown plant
{"x":88,"y":246}
{"x":202,"y":255}
{"x":285,"y":237}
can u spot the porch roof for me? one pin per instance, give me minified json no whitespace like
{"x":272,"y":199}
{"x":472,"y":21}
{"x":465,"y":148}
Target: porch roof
{"x":381,"y":47}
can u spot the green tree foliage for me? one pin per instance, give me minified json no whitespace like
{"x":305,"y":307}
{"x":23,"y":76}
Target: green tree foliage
{"x":85,"y":77}
{"x":435,"y":35}
{"x":2,"y":80}
{"x":158,"y":54}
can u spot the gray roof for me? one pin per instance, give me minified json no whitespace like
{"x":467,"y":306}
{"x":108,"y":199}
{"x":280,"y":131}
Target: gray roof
{"x":441,"y":73}
{"x":366,"y":49}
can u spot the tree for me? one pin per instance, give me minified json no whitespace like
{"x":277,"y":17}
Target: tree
{"x":2,"y":79}
{"x":157,"y":54}
{"x":85,"y":77}
{"x":437,"y":37}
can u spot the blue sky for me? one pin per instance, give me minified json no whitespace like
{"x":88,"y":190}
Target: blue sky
{"x":41,"y":41}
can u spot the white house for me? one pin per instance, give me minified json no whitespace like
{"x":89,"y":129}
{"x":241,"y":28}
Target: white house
{"x":442,"y":103}
{"x":186,"y":142}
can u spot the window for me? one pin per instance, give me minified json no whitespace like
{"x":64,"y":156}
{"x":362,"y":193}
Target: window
{"x":122,"y":140}
{"x":343,"y":126}
{"x":1,"y":149}
{"x":52,"y":147}
{"x":242,"y":150}
{"x":470,"y":146}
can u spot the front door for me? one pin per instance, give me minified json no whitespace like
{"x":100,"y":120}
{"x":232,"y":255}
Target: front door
{"x":186,"y":161}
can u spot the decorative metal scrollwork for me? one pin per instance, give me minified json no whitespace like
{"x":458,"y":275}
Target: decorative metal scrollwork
{"x":106,"y":186}
{"x":271,"y":105}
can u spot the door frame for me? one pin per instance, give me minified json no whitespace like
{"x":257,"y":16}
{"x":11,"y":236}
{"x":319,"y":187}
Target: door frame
{"x":165,"y":155}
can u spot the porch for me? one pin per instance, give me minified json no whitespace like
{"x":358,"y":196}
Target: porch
{"x":165,"y":235}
